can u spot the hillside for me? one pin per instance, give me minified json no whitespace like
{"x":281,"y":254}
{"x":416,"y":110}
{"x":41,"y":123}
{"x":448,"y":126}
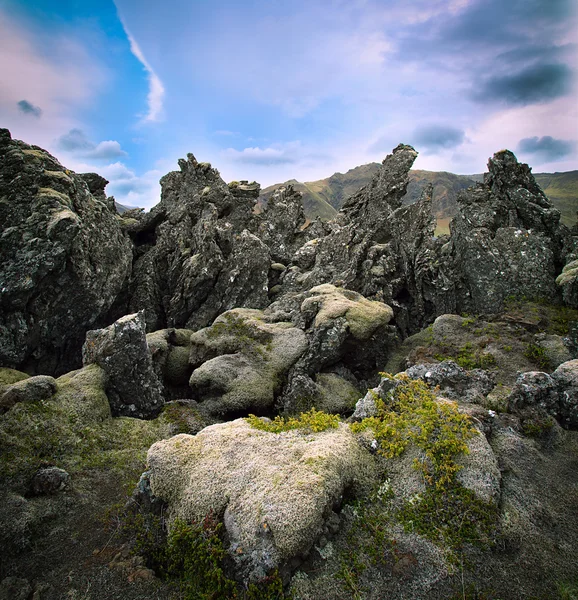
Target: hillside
{"x":323,"y":198}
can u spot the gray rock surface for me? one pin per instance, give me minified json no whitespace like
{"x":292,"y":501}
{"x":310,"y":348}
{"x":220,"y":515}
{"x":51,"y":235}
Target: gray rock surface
{"x":132,"y":386}
{"x":64,"y":260}
{"x":49,"y":480}
{"x":556,"y":394}
{"x":195,"y":256}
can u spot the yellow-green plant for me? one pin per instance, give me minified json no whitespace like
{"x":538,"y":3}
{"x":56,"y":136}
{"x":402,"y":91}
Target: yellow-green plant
{"x":311,"y":421}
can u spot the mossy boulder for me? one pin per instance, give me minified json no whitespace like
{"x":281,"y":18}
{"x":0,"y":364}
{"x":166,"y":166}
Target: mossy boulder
{"x":31,"y":389}
{"x":10,"y":376}
{"x":242,"y":360}
{"x":273,"y":491}
{"x":326,"y":302}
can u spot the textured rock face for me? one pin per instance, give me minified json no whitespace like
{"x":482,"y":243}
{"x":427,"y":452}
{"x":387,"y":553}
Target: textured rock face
{"x":132,"y":386}
{"x":507,"y":238}
{"x":274,"y":492}
{"x":64,"y":260}
{"x":195,"y":254}
{"x":555,"y":395}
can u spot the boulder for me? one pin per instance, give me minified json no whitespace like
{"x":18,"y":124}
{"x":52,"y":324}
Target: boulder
{"x":121,"y":350}
{"x":49,"y":480}
{"x":241,"y":361}
{"x":31,"y":389}
{"x":555,"y":394}
{"x":273,"y":491}
{"x":65,"y":260}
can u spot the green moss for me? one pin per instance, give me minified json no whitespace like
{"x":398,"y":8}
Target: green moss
{"x":538,"y":425}
{"x":10,"y":376}
{"x":312,"y":421}
{"x":447,"y":512}
{"x":74,"y":430}
{"x":412,"y":414}
{"x":470,"y":357}
{"x":247,"y":337}
{"x":454,"y":516}
{"x":192,"y":556}
{"x":538,"y":355}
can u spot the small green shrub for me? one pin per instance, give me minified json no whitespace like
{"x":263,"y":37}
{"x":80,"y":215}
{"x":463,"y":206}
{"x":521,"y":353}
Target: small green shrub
{"x":312,"y":421}
{"x":538,"y":356}
{"x":412,"y":414}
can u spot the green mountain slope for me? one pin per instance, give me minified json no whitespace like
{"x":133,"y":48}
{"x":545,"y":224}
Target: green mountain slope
{"x":323,"y":198}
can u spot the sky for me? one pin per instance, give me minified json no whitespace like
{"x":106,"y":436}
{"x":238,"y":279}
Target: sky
{"x":271,"y":90}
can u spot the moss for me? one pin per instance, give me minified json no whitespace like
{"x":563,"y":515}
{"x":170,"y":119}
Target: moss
{"x":192,"y":555}
{"x":10,"y":376}
{"x":247,"y":337}
{"x":313,"y":421}
{"x":454,"y":516}
{"x":470,"y":357}
{"x":177,"y":368}
{"x":538,"y":425}
{"x":73,"y":430}
{"x":447,"y":512}
{"x":538,"y":355}
{"x":413,"y":414}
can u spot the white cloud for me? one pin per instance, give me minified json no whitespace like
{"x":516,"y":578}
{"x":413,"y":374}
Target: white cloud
{"x":156,"y":93}
{"x":274,"y":155}
{"x":76,"y":143}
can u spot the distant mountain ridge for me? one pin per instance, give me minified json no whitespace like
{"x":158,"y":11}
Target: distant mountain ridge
{"x":323,"y":198}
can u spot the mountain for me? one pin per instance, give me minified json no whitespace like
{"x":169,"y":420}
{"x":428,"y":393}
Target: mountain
{"x":323,"y":198}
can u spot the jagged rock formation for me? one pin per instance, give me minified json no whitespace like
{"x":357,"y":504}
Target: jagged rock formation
{"x":64,"y":260}
{"x":195,"y":256}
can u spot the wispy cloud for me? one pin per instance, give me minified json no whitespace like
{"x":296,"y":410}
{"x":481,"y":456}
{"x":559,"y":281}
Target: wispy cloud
{"x":277,"y":154}
{"x":156,"y":93}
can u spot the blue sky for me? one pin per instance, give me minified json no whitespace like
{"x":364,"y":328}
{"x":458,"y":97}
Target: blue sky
{"x":270,"y":90}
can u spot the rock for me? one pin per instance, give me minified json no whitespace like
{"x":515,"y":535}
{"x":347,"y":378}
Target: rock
{"x":506,"y":238}
{"x":338,"y":395}
{"x":195,"y":254}
{"x":281,"y":222}
{"x":454,"y":381}
{"x":566,"y":378}
{"x":10,"y":376}
{"x":568,"y":282}
{"x":31,"y":389}
{"x":241,"y":360}
{"x":556,"y":394}
{"x":273,"y":491}
{"x":555,"y":351}
{"x":15,"y":588}
{"x":65,"y":260}
{"x":49,"y":480}
{"x":121,"y":350}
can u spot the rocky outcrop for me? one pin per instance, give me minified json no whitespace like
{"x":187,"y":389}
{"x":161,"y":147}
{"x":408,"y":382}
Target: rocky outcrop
{"x":64,"y":260}
{"x":555,"y":395}
{"x":132,"y":386}
{"x":195,"y":254}
{"x":274,"y":492}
